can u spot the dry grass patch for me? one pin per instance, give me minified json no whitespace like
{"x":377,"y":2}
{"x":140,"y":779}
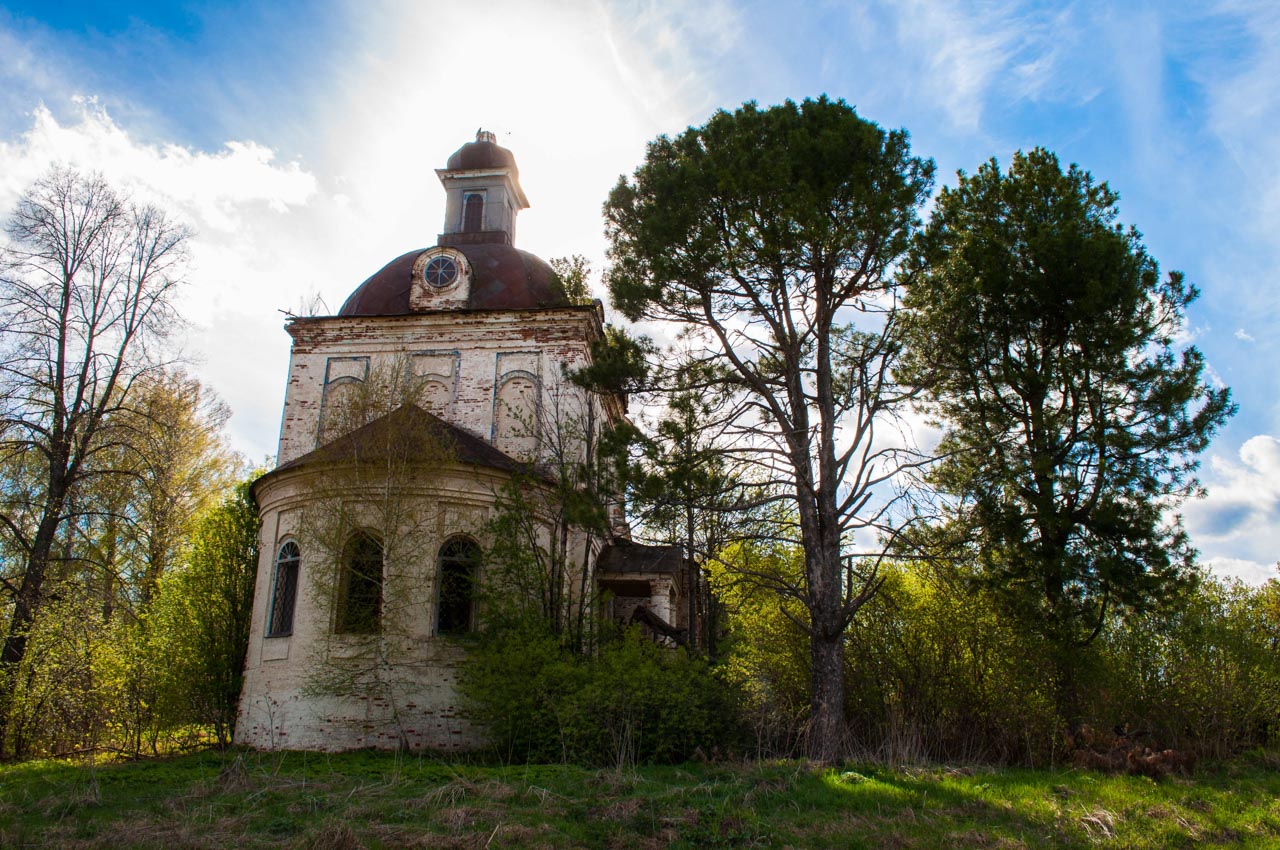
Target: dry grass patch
{"x":331,"y":836}
{"x":617,"y":811}
{"x":447,"y":795}
{"x":1099,"y":824}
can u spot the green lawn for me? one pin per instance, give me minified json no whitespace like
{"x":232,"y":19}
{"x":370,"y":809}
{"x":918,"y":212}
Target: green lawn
{"x":385,"y":800}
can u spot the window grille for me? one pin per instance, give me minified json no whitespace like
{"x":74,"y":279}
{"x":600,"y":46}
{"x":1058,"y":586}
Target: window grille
{"x":285,"y":594}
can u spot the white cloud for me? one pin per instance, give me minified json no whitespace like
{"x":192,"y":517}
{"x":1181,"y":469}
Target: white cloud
{"x":212,"y":190}
{"x":1213,"y":378}
{"x":249,"y":215}
{"x":1243,"y":335}
{"x":1249,"y":572}
{"x":1237,"y":525}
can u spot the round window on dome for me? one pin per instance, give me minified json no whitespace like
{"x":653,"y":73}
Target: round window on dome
{"x":441,"y":272}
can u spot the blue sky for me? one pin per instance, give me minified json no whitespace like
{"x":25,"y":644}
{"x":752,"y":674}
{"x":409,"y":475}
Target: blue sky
{"x":300,"y":140}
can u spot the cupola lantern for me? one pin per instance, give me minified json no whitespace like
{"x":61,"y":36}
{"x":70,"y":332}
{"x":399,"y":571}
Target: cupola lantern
{"x":482,"y":194}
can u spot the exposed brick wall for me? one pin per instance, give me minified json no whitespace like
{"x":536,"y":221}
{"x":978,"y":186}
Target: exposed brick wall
{"x":482,"y":343}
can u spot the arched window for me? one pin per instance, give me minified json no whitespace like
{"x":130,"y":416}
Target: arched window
{"x":473,"y":214}
{"x":360,"y":587}
{"x":285,"y":592}
{"x":459,"y":560}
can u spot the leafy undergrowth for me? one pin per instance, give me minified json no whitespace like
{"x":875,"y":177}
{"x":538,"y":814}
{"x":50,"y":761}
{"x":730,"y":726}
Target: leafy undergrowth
{"x":376,"y":800}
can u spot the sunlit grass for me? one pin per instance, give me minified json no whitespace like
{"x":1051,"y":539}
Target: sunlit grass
{"x":377,"y":800}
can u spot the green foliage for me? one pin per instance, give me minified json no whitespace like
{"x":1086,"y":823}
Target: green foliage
{"x":768,"y":648}
{"x":574,"y":274}
{"x":96,"y":676}
{"x":942,"y":676}
{"x":938,"y":670}
{"x":550,"y":519}
{"x":97,"y":679}
{"x":634,"y":701}
{"x":66,"y":687}
{"x":686,"y":491}
{"x":88,"y":288}
{"x":1205,"y":675}
{"x":202,"y":616}
{"x":759,"y":203}
{"x":619,"y":363}
{"x":1044,"y":336}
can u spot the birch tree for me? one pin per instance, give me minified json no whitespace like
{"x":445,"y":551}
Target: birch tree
{"x":87,"y":282}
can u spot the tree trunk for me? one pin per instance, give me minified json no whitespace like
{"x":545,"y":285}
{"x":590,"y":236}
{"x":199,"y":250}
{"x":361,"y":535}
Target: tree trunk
{"x":693,"y":570}
{"x":25,"y":606}
{"x":826,"y":725}
{"x":826,"y":650}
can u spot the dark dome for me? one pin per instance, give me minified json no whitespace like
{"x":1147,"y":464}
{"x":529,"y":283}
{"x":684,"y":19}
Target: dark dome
{"x":502,"y":278}
{"x":481,"y":154}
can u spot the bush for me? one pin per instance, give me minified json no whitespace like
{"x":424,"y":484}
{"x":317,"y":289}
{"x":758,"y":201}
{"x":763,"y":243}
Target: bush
{"x":633,"y":701}
{"x":1202,"y":676}
{"x":936,"y":672}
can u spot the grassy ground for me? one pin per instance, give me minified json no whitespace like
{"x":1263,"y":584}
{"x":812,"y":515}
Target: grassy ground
{"x":384,"y":800}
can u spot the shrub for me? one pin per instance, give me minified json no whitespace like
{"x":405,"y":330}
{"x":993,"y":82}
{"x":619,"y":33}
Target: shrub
{"x":633,"y":701}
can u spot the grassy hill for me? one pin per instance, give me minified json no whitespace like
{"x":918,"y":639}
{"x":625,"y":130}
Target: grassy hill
{"x":376,"y":800}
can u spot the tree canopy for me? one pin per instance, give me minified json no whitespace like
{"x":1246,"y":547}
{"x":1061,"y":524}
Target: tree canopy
{"x":1048,"y":344}
{"x":768,"y":236}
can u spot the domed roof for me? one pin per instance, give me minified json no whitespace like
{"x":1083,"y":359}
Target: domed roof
{"x":484,"y":152}
{"x":502,"y":278}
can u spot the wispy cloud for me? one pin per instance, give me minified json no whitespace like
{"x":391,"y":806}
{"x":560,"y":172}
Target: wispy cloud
{"x":1243,"y":116}
{"x":964,"y":53}
{"x":1244,"y":102}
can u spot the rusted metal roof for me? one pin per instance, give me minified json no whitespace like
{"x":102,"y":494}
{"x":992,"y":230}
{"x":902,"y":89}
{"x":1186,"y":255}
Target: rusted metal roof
{"x":502,"y":278}
{"x":405,"y":430}
{"x":479,"y":154}
{"x":626,"y":557}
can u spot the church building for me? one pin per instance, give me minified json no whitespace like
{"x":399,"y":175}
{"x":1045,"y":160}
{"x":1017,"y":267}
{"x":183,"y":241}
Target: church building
{"x":406,"y":416}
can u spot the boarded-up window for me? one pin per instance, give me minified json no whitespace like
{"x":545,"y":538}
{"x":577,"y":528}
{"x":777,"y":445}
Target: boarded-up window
{"x":473,"y":214}
{"x":340,"y":408}
{"x":285,"y":592}
{"x":436,"y":396}
{"x":515,"y":417}
{"x":360,"y":586}
{"x":459,"y":560}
